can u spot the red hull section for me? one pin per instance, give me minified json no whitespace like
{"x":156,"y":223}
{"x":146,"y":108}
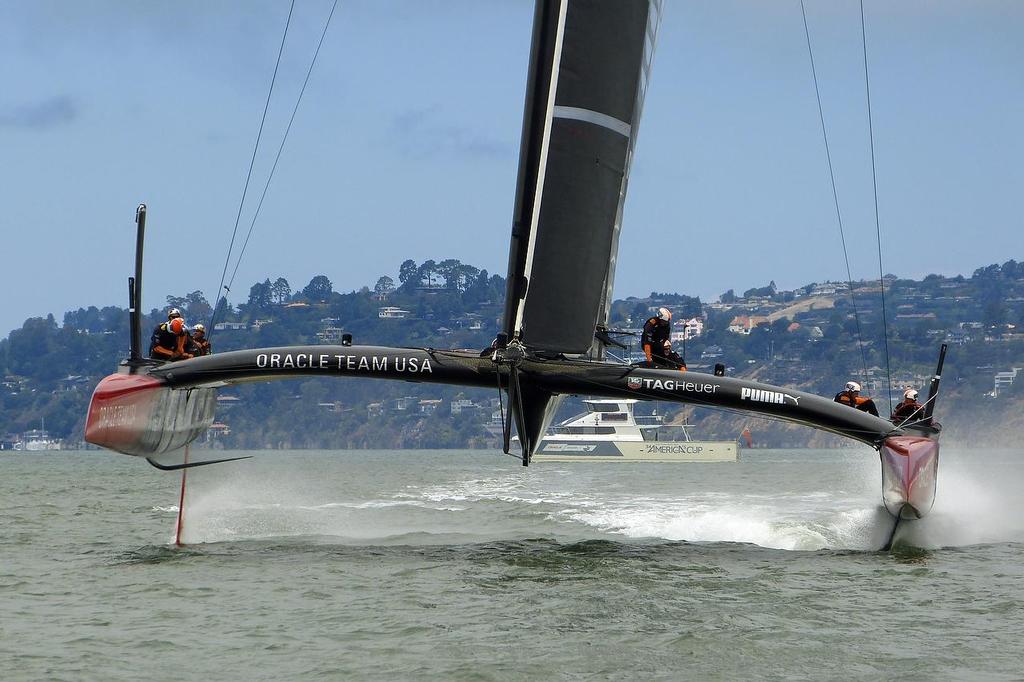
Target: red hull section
{"x":909,"y":468}
{"x":137,"y":414}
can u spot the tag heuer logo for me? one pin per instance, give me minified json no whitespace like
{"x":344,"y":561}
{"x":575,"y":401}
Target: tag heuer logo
{"x":634,"y":382}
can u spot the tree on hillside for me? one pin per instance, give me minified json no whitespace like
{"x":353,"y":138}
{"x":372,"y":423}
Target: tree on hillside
{"x":260,"y":295}
{"x":281,"y":291}
{"x":385,"y":285}
{"x":451,"y":270}
{"x":197,"y":308}
{"x":318,"y":289}
{"x":466,"y":277}
{"x":407,"y":271}
{"x":426,"y":273}
{"x":224,"y":308}
{"x":179,"y":302}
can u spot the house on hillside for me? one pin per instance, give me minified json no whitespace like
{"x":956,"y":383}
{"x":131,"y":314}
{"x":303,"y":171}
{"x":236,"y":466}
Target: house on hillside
{"x":957,"y":337}
{"x":744,"y":324}
{"x":430,"y":405}
{"x":330,"y":335}
{"x":712,"y":352}
{"x":684,"y":330}
{"x":1004,"y":380}
{"x":392,"y":313}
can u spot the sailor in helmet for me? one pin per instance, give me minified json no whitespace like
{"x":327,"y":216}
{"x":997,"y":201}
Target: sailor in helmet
{"x":909,"y":409}
{"x":173,"y":313}
{"x":200,"y":345}
{"x":657,"y":342}
{"x":170,"y":340}
{"x":851,"y":396}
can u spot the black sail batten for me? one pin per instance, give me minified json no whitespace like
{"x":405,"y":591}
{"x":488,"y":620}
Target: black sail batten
{"x":589,"y":69}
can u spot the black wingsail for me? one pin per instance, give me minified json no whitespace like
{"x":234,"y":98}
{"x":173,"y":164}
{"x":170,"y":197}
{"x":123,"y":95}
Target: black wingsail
{"x":588,"y":74}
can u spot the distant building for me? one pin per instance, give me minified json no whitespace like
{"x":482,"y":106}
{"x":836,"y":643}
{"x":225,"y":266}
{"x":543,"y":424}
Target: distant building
{"x":231,"y":326}
{"x":684,"y":330}
{"x":392,"y":313}
{"x":957,"y":337}
{"x":712,"y":352}
{"x":1004,"y":380}
{"x":461,"y":405}
{"x":430,"y":405}
{"x":743,"y":324}
{"x":330,"y":335}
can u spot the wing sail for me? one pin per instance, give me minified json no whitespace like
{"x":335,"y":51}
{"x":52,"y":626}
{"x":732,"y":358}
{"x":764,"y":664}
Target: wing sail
{"x":589,"y":70}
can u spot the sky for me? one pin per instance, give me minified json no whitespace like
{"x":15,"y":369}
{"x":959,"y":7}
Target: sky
{"x":406,"y":143}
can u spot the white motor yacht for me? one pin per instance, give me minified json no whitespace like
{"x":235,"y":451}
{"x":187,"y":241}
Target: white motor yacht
{"x":608,"y":431}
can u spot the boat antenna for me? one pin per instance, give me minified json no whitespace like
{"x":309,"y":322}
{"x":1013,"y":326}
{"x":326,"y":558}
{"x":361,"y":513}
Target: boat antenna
{"x":284,"y":139}
{"x":874,"y":187}
{"x":252,"y":162}
{"x":835,"y":197}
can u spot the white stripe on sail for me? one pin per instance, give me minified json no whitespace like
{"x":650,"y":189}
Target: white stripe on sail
{"x":595,"y":117}
{"x":542,"y":171}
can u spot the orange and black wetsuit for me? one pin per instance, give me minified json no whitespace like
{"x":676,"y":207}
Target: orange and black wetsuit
{"x":166,"y":345}
{"x":907,"y":410}
{"x":861,"y":403}
{"x":657,"y":345}
{"x":200,"y":346}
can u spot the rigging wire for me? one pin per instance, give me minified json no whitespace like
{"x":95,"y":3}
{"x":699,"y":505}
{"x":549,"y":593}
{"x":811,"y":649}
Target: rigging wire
{"x":284,"y":139}
{"x":874,"y":187}
{"x":252,"y":162}
{"x":835,"y":197}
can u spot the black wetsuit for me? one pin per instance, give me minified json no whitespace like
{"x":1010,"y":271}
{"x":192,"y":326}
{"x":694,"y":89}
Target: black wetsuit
{"x":862,"y":404}
{"x":657,"y":345}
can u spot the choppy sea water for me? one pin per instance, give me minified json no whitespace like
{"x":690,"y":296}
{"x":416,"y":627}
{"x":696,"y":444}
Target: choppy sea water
{"x":465,"y":565}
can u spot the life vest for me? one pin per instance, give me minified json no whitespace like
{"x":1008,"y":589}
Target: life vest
{"x":907,"y":410}
{"x":861,"y":403}
{"x":165,"y":344}
{"x":201,"y":346}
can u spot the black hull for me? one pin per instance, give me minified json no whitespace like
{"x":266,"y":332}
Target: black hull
{"x":565,"y":377}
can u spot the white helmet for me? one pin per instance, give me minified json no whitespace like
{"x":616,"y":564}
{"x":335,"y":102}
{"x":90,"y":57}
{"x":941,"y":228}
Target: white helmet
{"x":199,"y":328}
{"x":664,"y":314}
{"x":910,"y":394}
{"x":173,"y":313}
{"x":852,"y":386}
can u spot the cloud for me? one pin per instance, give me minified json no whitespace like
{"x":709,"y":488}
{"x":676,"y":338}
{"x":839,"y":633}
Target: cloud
{"x":42,"y":115}
{"x":420,"y":134}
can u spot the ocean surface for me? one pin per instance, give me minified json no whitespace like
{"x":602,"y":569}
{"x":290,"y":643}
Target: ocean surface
{"x":467,"y":566}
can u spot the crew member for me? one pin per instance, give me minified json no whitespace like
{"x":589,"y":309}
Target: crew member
{"x":908,"y":409}
{"x":170,"y":341}
{"x":851,"y":396}
{"x":200,"y":345}
{"x":173,"y":313}
{"x":657,"y":344}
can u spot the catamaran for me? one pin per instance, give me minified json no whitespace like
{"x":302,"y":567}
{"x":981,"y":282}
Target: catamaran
{"x":589,"y":68}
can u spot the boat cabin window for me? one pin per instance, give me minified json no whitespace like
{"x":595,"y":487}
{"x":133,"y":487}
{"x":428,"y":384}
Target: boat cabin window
{"x":615,"y":417}
{"x":604,"y":407}
{"x":589,"y":430}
